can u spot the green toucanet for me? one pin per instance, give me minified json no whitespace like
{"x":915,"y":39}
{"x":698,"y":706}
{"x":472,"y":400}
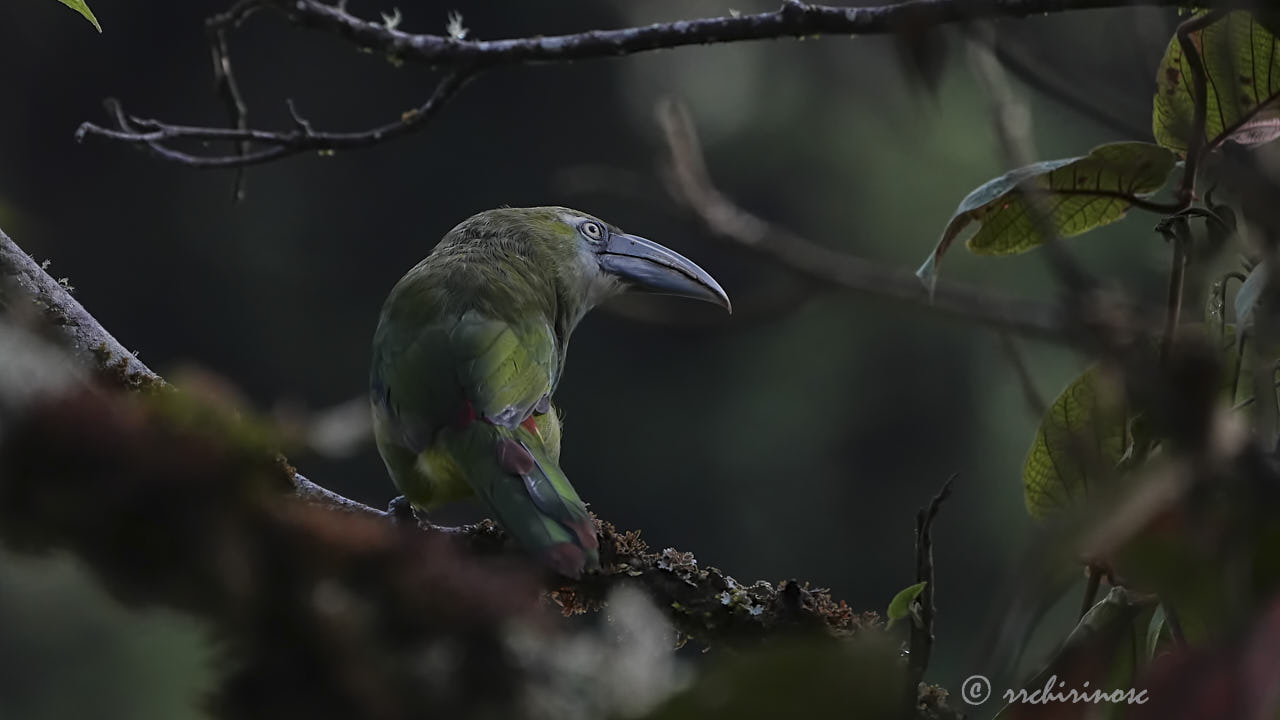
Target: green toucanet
{"x":470,"y":347}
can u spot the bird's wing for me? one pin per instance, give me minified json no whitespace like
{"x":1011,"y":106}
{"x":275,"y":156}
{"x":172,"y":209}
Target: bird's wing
{"x":506,"y":369}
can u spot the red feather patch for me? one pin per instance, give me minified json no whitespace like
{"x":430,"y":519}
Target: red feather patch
{"x":531,"y":424}
{"x":513,"y":458}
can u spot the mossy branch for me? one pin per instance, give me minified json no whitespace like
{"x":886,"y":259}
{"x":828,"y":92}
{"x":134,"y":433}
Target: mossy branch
{"x":702,"y":602}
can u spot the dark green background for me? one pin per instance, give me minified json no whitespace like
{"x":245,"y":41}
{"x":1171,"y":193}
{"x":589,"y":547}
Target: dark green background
{"x":794,"y":443}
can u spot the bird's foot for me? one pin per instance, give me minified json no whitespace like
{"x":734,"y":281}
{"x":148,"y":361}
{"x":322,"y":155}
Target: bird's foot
{"x":401,"y":511}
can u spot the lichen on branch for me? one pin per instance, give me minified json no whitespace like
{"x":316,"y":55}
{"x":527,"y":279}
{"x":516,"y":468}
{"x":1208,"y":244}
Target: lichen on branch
{"x":702,"y":602}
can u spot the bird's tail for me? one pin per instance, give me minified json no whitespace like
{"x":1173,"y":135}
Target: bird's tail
{"x":517,"y":475}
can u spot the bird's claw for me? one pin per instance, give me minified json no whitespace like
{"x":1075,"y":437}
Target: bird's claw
{"x":401,"y":512}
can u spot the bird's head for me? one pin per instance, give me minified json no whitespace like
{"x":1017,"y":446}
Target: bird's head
{"x":599,"y":260}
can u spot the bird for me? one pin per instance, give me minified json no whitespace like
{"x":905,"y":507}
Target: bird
{"x":470,"y":347}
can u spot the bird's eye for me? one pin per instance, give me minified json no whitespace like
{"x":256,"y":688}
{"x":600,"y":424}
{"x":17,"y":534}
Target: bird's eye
{"x":592,"y":231}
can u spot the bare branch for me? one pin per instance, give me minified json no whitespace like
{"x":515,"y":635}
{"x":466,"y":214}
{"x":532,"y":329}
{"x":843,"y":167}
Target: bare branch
{"x":691,"y":186}
{"x":791,"y":20}
{"x":87,"y":341}
{"x":225,"y":83}
{"x":150,"y":134}
{"x":468,"y":58}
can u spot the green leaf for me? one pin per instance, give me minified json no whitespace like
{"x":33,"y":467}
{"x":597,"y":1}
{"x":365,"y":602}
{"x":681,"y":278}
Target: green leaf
{"x":1241,"y":59}
{"x":900,"y":606}
{"x":1077,"y":194}
{"x":1081,"y":439}
{"x":1155,"y":631}
{"x":80,"y":7}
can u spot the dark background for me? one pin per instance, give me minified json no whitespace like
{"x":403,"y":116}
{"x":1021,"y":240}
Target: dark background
{"x":792,"y":443}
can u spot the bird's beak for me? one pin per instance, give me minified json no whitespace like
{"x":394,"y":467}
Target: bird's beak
{"x":650,"y":267}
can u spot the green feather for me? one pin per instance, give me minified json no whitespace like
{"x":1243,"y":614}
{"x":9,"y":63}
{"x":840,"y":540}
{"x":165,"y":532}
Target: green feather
{"x":470,"y":345}
{"x":469,"y":349}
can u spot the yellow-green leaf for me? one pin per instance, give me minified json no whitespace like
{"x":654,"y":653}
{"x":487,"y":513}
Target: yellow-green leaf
{"x":1242,"y":70}
{"x":80,"y":7}
{"x":1076,"y":195}
{"x":1081,"y":439}
{"x":900,"y":605}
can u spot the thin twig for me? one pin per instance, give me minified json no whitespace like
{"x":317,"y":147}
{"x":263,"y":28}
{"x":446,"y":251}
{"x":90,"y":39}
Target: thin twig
{"x":224,"y":82}
{"x":151,"y":134}
{"x":1178,"y":233}
{"x":217,"y":28}
{"x":920,"y":642}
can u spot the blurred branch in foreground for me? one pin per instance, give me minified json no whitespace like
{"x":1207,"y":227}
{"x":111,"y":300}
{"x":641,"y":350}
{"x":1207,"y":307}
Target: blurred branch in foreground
{"x":170,"y":503}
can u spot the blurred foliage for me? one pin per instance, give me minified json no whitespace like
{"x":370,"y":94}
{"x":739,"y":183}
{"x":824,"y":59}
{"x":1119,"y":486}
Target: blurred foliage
{"x":1237,"y":680}
{"x":314,"y":612}
{"x":1098,"y":654}
{"x":860,"y":679}
{"x":123,"y":664}
{"x":175,"y":503}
